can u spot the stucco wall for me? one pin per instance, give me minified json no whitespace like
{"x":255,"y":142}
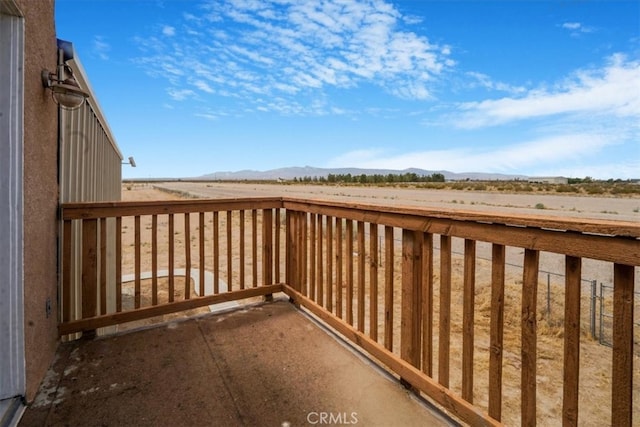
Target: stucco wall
{"x":40,"y":192}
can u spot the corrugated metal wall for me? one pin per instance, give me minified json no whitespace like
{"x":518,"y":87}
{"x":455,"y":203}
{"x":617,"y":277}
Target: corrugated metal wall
{"x":90,"y":171}
{"x":90,"y":161}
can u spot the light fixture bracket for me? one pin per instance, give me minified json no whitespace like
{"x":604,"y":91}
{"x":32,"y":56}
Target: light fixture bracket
{"x":64,"y":88}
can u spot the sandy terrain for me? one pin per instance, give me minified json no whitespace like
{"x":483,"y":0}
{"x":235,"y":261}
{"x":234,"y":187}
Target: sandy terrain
{"x":612,"y":208}
{"x":595,"y":361}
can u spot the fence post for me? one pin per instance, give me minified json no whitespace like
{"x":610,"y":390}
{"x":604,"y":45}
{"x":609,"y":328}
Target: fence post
{"x":600,"y":338}
{"x":593,"y":308}
{"x":548,"y":298}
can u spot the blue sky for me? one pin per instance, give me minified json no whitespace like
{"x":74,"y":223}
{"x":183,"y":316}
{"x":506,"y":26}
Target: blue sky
{"x":515,"y":87}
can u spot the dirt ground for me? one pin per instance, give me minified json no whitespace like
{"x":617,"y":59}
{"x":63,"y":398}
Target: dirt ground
{"x":560,"y":204}
{"x":595,"y":359}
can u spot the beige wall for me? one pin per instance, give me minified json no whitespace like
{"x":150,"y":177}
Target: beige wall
{"x":87,"y":165}
{"x":40,"y":192}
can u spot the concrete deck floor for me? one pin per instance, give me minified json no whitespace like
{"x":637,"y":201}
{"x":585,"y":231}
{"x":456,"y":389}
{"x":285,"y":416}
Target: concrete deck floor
{"x":267,"y":365}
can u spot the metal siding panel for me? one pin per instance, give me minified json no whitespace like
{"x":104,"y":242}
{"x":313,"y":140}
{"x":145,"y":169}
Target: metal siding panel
{"x":91,"y":172}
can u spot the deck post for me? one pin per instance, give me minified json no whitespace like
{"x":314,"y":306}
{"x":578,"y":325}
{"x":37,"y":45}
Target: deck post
{"x":622,"y":375}
{"x":411,"y":313}
{"x":267,"y":249}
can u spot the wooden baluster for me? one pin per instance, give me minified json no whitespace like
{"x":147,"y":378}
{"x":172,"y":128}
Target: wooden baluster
{"x":103,"y":266}
{"x":349,"y":249}
{"x":254,"y":248}
{"x":300,"y":276}
{"x":529,"y":337}
{"x":137,"y":271}
{"x":427,"y":303}
{"x":89,"y":267}
{"x":289,"y":249}
{"x":496,"y":330}
{"x":66,"y":271}
{"x":216,"y":253}
{"x":329,"y":260}
{"x":154,"y":260}
{"x":201,"y":254}
{"x":411,"y":315}
{"x":242,"y":250}
{"x":118,"y":264}
{"x":276,"y":247}
{"x":302,"y":249}
{"x":314,"y":256}
{"x":361,"y":278}
{"x":571,"y":376}
{"x":468,"y":319}
{"x":171,"y":259}
{"x":320,"y":266}
{"x":187,"y":256}
{"x":267,"y":247}
{"x":339,"y":262}
{"x":622,"y":375}
{"x":373,"y":281}
{"x":388,"y":287}
{"x":445,"y":310}
{"x":229,"y":253}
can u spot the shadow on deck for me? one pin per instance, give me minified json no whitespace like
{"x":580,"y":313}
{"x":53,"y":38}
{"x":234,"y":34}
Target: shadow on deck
{"x":266,"y":364}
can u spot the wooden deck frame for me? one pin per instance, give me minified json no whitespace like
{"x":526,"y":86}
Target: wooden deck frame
{"x":319,"y":242}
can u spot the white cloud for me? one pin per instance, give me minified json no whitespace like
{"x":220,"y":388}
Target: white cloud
{"x":203,"y":86}
{"x":576,"y":28}
{"x":168,"y":31}
{"x":483,"y":80}
{"x":545,"y":152}
{"x":101,"y":48}
{"x":207,"y":116}
{"x":571,"y":25}
{"x":180,"y":94}
{"x":610,"y":91}
{"x":601,"y":170}
{"x":286,"y":48}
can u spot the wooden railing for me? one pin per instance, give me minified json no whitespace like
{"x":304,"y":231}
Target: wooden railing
{"x":160,"y":248}
{"x":387,"y":279}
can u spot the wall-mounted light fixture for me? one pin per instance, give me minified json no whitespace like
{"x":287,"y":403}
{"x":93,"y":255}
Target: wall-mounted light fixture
{"x":130,"y":162}
{"x":64,"y":87}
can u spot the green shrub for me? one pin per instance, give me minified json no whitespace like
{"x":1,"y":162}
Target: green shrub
{"x":594,"y":189}
{"x":566,"y":188}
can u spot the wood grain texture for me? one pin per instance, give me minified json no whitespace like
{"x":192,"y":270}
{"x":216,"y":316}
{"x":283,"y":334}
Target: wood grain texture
{"x":571,"y":372}
{"x":496,"y":329}
{"x":622,"y":375}
{"x":529,"y":337}
{"x":445,"y":311}
{"x":468,"y":308}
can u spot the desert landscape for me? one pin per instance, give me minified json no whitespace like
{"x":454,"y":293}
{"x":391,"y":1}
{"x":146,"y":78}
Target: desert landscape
{"x":595,"y":360}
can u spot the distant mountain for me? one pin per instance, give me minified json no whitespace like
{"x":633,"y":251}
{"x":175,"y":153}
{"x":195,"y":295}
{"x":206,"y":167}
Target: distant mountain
{"x":301,"y":172}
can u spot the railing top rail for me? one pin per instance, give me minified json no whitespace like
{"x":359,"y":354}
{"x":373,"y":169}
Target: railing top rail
{"x":93,"y":210}
{"x":614,"y":241}
{"x":548,"y":222}
{"x":376,"y":213}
